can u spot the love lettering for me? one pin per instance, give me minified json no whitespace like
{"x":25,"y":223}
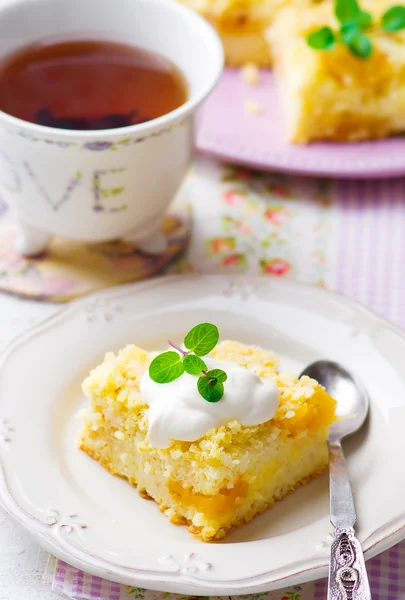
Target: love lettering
{"x":106,"y":197}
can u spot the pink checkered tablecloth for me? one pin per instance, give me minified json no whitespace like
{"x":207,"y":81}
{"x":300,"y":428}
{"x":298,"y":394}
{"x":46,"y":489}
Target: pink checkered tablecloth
{"x":346,"y":236}
{"x":386,"y":573}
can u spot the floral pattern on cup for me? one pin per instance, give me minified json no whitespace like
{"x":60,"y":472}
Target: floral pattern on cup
{"x":95,"y":145}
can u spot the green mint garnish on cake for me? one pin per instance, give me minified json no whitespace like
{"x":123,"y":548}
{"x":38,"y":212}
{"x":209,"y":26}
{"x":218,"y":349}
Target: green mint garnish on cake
{"x":166,"y":367}
{"x":354,"y":24}
{"x":393,"y":19}
{"x":321,"y":39}
{"x":200,"y":341}
{"x":211,"y":385}
{"x":193,"y":364}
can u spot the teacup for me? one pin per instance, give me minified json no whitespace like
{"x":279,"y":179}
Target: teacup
{"x":60,"y":182}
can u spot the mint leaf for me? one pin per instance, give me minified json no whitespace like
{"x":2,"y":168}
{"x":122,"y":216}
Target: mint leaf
{"x":193,"y":364}
{"x":393,"y":19}
{"x":170,"y":365}
{"x":360,"y":46}
{"x":211,"y":390}
{"x":349,"y":31}
{"x":322,"y":39}
{"x":166,"y":367}
{"x":364,"y":19}
{"x":217,"y":374}
{"x":347,"y":10}
{"x":361,"y":22}
{"x":202,"y":339}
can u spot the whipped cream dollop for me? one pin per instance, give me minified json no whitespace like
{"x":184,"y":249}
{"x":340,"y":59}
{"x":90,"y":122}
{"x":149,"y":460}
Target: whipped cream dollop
{"x":177,"y":411}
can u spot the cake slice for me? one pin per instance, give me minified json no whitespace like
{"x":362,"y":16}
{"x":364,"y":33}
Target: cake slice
{"x":241,"y":24}
{"x":332,"y":94}
{"x":230,"y":474}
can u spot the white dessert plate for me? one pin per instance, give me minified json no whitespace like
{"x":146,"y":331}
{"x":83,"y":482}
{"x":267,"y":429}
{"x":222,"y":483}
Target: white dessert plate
{"x":99,"y":523}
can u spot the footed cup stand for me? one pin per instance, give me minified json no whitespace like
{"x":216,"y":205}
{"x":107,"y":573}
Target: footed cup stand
{"x":32,"y":242}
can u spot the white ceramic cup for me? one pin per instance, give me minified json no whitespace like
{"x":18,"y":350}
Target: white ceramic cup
{"x":107,"y":184}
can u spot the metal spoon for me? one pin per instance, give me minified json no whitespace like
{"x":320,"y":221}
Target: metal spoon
{"x":347,"y":572}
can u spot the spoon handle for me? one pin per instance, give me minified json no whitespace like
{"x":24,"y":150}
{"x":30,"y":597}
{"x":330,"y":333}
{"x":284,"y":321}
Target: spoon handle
{"x":347,"y":571}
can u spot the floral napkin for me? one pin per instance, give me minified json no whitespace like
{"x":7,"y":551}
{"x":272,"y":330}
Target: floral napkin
{"x":259,"y":223}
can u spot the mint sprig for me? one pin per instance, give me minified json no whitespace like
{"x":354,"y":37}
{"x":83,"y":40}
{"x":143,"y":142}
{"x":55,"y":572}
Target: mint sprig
{"x":347,"y":10}
{"x":211,"y":386}
{"x":202,"y":339}
{"x":354,"y":22}
{"x":322,"y":39}
{"x":167,"y":367}
{"x":360,"y":45}
{"x":170,"y":365}
{"x":393,"y":19}
{"x":194,"y":364}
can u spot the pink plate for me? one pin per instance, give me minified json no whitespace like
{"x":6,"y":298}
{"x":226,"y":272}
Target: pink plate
{"x":228,"y":132}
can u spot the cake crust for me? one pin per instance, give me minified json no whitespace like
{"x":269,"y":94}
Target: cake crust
{"x":178,"y":519}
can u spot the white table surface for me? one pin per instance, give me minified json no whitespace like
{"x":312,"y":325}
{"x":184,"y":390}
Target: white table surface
{"x":22,"y":562}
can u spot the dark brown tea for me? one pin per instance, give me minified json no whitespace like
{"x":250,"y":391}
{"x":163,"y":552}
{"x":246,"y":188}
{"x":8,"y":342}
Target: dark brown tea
{"x":88,"y":84}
